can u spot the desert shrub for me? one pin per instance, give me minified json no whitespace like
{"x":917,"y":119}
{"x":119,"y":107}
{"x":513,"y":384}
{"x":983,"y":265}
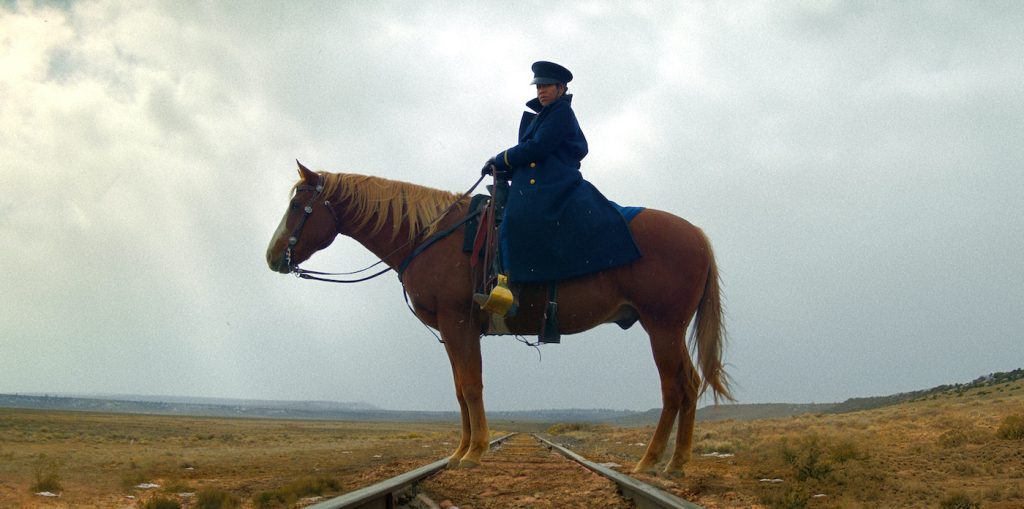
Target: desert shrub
{"x":993,"y":494}
{"x":271,"y":499}
{"x":216,"y":499}
{"x":176,"y":486}
{"x":47,"y":482}
{"x":847,"y":450}
{"x":562,"y":428}
{"x":709,"y":446}
{"x":965,"y":468}
{"x":134,"y":477}
{"x":47,"y":475}
{"x":807,"y":459}
{"x":793,"y":497}
{"x":1012,"y":428}
{"x":289,"y":494}
{"x":959,"y":501}
{"x":953,"y":438}
{"x":161,"y":503}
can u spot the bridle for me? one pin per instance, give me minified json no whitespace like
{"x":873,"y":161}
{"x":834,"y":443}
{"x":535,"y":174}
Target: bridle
{"x":293,"y":239}
{"x":307,"y":211}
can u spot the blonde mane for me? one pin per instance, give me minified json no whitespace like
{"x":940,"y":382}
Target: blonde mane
{"x":380,"y":200}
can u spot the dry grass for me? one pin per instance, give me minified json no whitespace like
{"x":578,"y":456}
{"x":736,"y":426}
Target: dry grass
{"x":949,"y":451}
{"x":97,"y":460}
{"x":957,"y":450}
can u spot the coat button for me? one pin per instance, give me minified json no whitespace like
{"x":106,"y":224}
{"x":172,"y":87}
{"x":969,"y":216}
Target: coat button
{"x":533,"y":181}
{"x":533,"y":165}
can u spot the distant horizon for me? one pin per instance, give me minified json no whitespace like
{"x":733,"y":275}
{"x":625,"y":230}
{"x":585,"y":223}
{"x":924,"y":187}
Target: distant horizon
{"x":153,"y":398}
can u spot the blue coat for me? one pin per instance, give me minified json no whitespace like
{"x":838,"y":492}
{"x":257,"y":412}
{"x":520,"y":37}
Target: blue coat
{"x":556,"y":224}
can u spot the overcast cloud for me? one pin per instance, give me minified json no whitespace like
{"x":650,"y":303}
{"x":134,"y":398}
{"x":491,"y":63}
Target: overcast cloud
{"x":857,"y":166}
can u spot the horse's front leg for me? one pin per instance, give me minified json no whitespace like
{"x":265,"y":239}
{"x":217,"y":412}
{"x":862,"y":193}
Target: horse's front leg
{"x":464,"y":439}
{"x":462,"y":340}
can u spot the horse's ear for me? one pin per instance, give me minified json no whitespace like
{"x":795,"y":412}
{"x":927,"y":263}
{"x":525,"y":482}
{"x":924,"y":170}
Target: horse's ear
{"x":305,"y":173}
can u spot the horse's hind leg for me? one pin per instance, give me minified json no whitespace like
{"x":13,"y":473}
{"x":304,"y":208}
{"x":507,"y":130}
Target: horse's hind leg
{"x":669,"y":347}
{"x":687,"y":416}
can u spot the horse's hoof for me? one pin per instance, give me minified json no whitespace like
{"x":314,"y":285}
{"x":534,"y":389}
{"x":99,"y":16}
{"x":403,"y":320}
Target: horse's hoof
{"x":643,"y":468}
{"x":674,"y":473}
{"x":465,"y":463}
{"x":453,"y":462}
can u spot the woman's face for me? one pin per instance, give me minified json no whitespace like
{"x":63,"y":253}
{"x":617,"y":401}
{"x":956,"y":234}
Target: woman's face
{"x":548,"y":94}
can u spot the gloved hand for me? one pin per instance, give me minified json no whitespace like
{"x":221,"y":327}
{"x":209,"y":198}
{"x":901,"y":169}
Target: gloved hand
{"x":488,"y":168}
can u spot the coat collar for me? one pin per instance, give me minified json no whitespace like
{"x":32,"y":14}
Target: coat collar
{"x":534,"y":104}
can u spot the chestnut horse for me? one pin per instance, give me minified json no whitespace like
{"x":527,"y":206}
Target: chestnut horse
{"x":675,"y":280}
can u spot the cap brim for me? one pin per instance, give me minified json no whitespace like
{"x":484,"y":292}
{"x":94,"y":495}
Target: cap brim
{"x":544,"y":81}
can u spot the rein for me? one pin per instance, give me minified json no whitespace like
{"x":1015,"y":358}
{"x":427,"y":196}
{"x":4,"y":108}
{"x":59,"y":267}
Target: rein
{"x":316,"y":276}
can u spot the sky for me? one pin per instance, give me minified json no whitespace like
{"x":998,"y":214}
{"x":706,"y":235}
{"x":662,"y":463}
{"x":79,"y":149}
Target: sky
{"x":856,"y":165}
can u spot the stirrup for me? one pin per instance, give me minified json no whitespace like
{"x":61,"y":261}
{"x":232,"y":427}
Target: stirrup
{"x":499,"y":301}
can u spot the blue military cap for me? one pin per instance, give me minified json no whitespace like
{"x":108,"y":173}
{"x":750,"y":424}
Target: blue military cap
{"x":549,"y":73}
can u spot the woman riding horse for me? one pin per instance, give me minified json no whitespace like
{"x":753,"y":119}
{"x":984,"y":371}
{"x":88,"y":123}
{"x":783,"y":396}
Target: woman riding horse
{"x":556,"y":224}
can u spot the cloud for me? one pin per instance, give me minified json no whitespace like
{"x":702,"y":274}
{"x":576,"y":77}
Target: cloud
{"x":854,"y":166}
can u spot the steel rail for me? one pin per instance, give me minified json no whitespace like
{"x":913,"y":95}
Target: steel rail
{"x":385,"y":494}
{"x":642,"y":494}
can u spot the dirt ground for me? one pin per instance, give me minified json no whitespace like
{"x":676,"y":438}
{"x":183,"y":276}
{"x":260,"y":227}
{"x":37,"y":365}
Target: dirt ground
{"x":521,"y":474}
{"x":99,"y":460}
{"x":919,"y":454}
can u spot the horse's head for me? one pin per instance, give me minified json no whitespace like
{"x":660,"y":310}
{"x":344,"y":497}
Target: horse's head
{"x":309,"y":224}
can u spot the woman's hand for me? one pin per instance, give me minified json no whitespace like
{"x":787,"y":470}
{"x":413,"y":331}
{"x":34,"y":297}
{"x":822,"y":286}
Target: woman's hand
{"x":489,"y":168}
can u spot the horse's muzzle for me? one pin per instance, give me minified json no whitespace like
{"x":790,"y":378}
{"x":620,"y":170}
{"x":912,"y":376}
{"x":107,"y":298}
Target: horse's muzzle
{"x":280,"y":264}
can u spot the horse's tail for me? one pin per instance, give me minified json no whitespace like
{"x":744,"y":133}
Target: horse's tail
{"x":708,"y":334}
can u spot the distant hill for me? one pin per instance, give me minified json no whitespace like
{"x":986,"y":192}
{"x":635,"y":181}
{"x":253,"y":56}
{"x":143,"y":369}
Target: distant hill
{"x":192,"y":400}
{"x":212,"y":407}
{"x":741,"y":412}
{"x":761,"y":411}
{"x":737,"y":412}
{"x":328,"y":410}
{"x":322,"y":410}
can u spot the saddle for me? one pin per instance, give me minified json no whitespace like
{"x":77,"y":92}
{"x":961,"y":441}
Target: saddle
{"x":491,"y":288}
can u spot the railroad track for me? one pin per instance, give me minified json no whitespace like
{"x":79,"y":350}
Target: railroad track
{"x":521,"y":471}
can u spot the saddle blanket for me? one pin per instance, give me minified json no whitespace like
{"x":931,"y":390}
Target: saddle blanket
{"x":627,"y":212}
